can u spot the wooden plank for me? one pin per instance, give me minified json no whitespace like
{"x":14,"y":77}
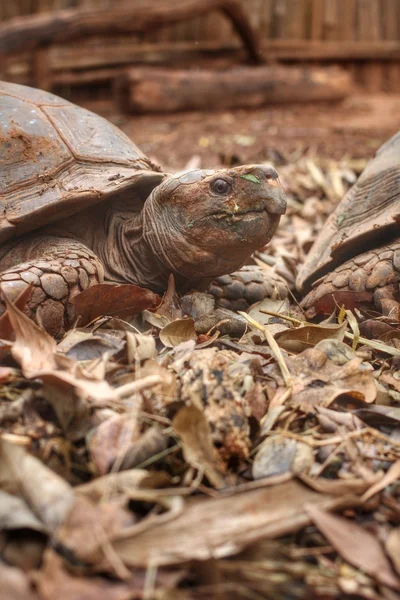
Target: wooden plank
{"x":157,"y":90}
{"x":29,"y":33}
{"x":317,"y":17}
{"x":331,"y":21}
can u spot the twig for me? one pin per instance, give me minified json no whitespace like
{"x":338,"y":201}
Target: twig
{"x":276,"y":351}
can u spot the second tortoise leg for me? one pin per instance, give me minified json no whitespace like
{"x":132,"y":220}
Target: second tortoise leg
{"x":58,"y":270}
{"x":241,"y":289}
{"x":369,"y":279}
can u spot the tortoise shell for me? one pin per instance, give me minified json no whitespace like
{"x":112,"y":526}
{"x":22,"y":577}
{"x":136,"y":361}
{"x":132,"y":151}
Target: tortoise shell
{"x":367,"y":216}
{"x":57,"y":159}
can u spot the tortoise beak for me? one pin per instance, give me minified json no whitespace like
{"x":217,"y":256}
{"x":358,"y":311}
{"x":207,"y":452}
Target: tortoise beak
{"x":275,"y":199}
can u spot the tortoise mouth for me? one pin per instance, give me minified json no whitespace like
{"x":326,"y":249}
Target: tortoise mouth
{"x":225,"y":214}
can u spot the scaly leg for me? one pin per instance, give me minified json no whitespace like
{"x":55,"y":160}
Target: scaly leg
{"x":243,"y":288}
{"x":59,"y":269}
{"x":370,"y":279}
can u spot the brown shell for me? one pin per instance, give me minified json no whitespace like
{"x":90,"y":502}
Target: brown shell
{"x":368,"y":215}
{"x":57,"y":158}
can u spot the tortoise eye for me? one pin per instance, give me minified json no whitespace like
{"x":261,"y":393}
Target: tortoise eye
{"x":221,"y":187}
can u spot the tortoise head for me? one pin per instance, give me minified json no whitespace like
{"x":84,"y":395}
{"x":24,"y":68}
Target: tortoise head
{"x":206,"y":223}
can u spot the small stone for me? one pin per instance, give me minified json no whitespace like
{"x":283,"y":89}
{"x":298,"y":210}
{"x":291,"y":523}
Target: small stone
{"x":54,"y":285}
{"x":381,"y":275}
{"x":341,"y":279}
{"x":83,"y":279}
{"x":70,"y":275}
{"x":30,"y":277}
{"x":88,"y":266}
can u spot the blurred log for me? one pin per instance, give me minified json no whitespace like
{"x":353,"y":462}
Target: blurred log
{"x":33,"y":31}
{"x":161,"y":90}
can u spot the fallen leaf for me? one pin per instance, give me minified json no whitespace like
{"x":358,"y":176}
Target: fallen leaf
{"x":300,"y":338}
{"x":193,"y":429}
{"x":49,"y":496}
{"x":15,"y":584}
{"x":177,"y":332}
{"x":278,"y":455}
{"x":392,"y":547}
{"x":391,"y":476}
{"x":355,"y":544}
{"x":217,"y":527}
{"x":118,"y":300}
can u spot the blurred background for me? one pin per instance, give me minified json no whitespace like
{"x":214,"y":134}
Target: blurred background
{"x":218,"y":82}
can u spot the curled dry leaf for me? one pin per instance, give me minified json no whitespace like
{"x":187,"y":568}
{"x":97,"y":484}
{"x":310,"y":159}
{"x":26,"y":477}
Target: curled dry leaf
{"x":356,"y":545}
{"x":301,"y":338}
{"x":118,"y":300}
{"x":193,"y":429}
{"x":278,"y":455}
{"x":150,"y":444}
{"x":140,"y":347}
{"x":49,"y":496}
{"x":177,"y":332}
{"x":111,"y":440}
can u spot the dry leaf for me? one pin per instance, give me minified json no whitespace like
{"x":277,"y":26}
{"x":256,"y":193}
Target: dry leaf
{"x":217,"y":527}
{"x":300,"y":338}
{"x":392,"y":547}
{"x":177,"y":332}
{"x":355,"y":544}
{"x":49,"y":496}
{"x":194,"y":431}
{"x":278,"y":455}
{"x":118,"y":300}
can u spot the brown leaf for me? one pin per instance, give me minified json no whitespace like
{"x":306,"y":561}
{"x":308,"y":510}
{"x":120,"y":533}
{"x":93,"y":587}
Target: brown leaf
{"x":114,"y":484}
{"x":49,"y":496}
{"x":112,"y":439}
{"x":391,"y":476}
{"x":55,"y":582}
{"x":355,"y":544}
{"x":299,"y":339}
{"x":177,"y":332}
{"x":278,"y":455}
{"x":33,"y":349}
{"x":210,"y":527}
{"x":118,"y":300}
{"x":392,"y":547}
{"x":15,"y":584}
{"x":194,"y":431}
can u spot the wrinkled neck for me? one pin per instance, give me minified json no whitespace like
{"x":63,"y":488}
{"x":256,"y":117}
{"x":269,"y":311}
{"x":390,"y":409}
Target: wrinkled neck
{"x":175,"y":249}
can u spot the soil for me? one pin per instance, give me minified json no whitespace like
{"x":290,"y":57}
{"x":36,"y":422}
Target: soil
{"x":354,"y":128}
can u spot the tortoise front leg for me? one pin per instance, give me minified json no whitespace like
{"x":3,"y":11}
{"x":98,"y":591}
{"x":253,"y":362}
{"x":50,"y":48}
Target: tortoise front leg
{"x":250,"y":284}
{"x":59,"y":269}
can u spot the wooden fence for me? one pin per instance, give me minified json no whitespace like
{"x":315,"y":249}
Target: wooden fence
{"x":362,"y":35}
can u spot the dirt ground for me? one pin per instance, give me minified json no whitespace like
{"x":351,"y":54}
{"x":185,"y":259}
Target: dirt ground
{"x":354,"y":128}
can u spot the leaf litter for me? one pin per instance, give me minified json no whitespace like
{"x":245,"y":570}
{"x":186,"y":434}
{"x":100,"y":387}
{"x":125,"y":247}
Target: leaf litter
{"x":169,"y":449}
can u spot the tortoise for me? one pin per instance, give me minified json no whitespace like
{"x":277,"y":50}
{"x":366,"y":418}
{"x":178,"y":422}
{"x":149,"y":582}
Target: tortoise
{"x":355,"y":259}
{"x":81,"y":204}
